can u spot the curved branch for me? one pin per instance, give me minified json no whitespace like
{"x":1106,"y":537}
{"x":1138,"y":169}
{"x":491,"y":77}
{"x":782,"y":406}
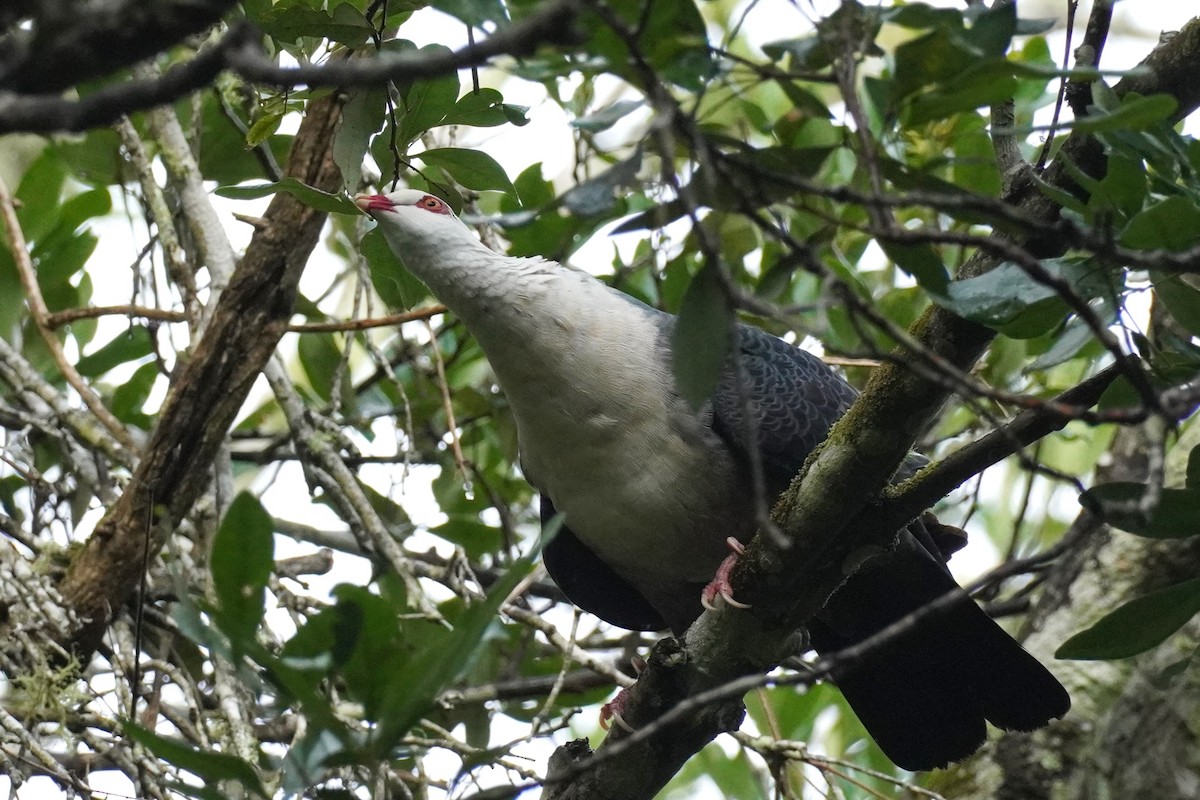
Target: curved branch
{"x":240,"y":51}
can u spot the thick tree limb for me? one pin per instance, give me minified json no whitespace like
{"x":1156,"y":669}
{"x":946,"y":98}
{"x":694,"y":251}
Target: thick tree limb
{"x":247,"y":323}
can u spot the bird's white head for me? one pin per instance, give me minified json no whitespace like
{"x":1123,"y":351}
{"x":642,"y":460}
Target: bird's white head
{"x":381,"y":206}
{"x":417,"y":225}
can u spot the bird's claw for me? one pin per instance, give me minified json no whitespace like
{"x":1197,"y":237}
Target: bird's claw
{"x":610,"y":712}
{"x":720,"y":599}
{"x":719,"y":592}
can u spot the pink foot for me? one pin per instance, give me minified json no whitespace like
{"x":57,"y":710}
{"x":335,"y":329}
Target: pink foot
{"x":719,"y":590}
{"x":610,"y":712}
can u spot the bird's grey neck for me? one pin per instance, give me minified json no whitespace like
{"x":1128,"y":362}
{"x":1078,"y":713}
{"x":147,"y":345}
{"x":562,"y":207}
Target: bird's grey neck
{"x":487,"y":294}
{"x":513,"y":306}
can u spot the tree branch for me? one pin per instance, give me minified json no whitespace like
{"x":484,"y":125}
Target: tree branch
{"x":64,"y":48}
{"x":906,"y":501}
{"x":240,"y":51}
{"x":244,"y":328}
{"x":41,"y":314}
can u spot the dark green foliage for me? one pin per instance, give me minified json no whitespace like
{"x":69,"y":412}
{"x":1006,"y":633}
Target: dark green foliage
{"x":1138,"y":625}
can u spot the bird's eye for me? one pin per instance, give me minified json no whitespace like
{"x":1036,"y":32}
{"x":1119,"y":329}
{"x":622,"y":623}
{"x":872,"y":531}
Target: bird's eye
{"x":431,"y":203}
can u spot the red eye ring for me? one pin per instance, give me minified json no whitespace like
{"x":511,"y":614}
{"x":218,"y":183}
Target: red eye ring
{"x":434,"y":204}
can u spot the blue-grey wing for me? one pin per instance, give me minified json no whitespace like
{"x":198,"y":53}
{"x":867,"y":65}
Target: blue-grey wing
{"x":778,"y":401}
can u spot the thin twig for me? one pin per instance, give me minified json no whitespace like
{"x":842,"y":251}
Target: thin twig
{"x":447,"y":405}
{"x":39,"y":312}
{"x":65,"y":317}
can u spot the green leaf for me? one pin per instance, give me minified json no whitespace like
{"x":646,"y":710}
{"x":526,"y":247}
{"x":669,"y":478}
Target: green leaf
{"x":1134,"y":113}
{"x":703,"y":337}
{"x":243,"y":552}
{"x":921,"y":262}
{"x":984,"y":84}
{"x":128,"y":345}
{"x":304,"y":766}
{"x":599,"y":194}
{"x":1000,"y":296}
{"x":350,"y":26}
{"x":992,"y":30}
{"x":1034,"y":27}
{"x":263,"y":128}
{"x":804,"y":100}
{"x":188,"y":618}
{"x":211,"y":766}
{"x":311,"y":197}
{"x":413,"y":689}
{"x":670,"y":36}
{"x":345,"y":25}
{"x":485,"y":109}
{"x":327,"y":640}
{"x":807,"y":52}
{"x":130,"y":396}
{"x":395,"y":285}
{"x":475,"y":13}
{"x":1123,"y":187}
{"x":300,"y":682}
{"x":224,"y":156}
{"x":606,"y":117}
{"x":1137,"y":626}
{"x":974,"y":156}
{"x":60,"y":259}
{"x":390,"y":512}
{"x":362,"y":117}
{"x":79,"y":209}
{"x":93,"y":158}
{"x":921,"y":16}
{"x":1177,"y":515}
{"x":1073,"y":338}
{"x":426,"y":103}
{"x":928,"y":60}
{"x":380,"y":640}
{"x":320,"y":356}
{"x":1180,"y":298}
{"x":1170,"y":224}
{"x":1068,"y":201}
{"x":470,"y":533}
{"x":474,"y":169}
{"x":532,"y":189}
{"x":38,"y":193}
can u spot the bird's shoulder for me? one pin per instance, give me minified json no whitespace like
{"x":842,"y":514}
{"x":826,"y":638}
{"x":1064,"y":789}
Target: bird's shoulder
{"x":778,"y":396}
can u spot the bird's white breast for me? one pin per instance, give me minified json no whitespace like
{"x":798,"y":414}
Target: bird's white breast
{"x":641,"y":479}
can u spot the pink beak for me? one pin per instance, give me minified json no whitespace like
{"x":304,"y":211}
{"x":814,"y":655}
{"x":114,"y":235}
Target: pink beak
{"x":368,"y":202}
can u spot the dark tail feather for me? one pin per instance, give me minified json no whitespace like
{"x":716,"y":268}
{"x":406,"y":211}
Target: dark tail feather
{"x":924,"y":696}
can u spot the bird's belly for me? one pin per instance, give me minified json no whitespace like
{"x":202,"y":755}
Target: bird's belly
{"x":653,"y":503}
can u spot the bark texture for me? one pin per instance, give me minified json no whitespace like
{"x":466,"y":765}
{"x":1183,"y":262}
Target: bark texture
{"x":174,"y":467}
{"x":1134,"y":723}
